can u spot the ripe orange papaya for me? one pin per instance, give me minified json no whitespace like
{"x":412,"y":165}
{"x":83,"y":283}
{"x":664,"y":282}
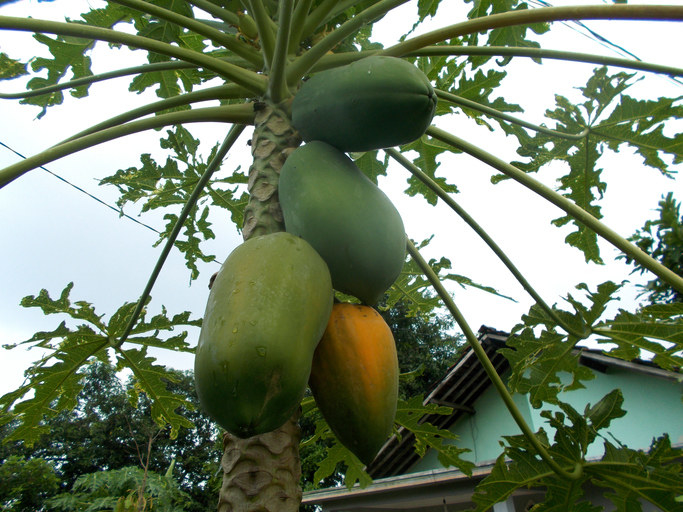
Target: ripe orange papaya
{"x":354,"y":378}
{"x":328,"y":201}
{"x":267,"y":309}
{"x":375,"y":102}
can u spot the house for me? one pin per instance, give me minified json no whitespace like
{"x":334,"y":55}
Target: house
{"x":402,"y":481}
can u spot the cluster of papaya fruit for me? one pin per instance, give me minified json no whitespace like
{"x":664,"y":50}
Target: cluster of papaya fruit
{"x":271,"y":326}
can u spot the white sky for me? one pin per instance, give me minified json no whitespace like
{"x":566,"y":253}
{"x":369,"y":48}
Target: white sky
{"x":51,"y":234}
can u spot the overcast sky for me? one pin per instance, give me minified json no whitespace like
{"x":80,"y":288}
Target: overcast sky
{"x":52,"y":234}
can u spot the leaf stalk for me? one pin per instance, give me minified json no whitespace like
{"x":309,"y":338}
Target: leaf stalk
{"x":464,"y":102}
{"x":265,"y":30}
{"x":212,"y":167}
{"x":564,"y":204}
{"x":248,"y":79}
{"x":242,"y":114}
{"x":277,"y":85}
{"x":540,"y":15}
{"x":305,"y":62}
{"x":542,"y":53}
{"x":230,"y":42}
{"x":462,"y":213}
{"x":489,"y":368}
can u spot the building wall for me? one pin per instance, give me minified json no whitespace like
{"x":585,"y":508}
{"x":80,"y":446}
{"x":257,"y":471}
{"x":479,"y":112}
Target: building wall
{"x":654,"y":407}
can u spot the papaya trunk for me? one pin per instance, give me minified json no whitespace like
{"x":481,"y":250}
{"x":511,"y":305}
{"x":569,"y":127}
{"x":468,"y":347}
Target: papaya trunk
{"x":262,"y":473}
{"x":273,"y":140}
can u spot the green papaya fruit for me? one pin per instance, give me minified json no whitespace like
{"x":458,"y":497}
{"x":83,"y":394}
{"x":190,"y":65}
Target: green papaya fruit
{"x":328,"y":201}
{"x":266,"y":312}
{"x":376,"y":102}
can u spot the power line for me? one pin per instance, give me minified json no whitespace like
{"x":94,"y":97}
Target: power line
{"x":592,"y":34}
{"x":117,"y":210}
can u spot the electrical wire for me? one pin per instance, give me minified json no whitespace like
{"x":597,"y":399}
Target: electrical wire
{"x":100,"y":201}
{"x":592,"y":34}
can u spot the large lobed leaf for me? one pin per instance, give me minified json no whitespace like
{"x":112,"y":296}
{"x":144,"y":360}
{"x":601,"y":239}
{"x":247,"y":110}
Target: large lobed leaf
{"x":54,"y":381}
{"x":542,"y":355}
{"x":633,"y":476}
{"x":639,"y":124}
{"x":655,"y":329}
{"x":409,"y":414}
{"x":170,"y":185}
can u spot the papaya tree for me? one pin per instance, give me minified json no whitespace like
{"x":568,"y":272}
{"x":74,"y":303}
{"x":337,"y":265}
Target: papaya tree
{"x":250,"y":60}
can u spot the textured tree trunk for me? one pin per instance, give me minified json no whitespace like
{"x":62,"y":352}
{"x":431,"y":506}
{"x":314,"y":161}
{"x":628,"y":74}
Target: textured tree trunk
{"x":262,"y":473}
{"x":273,"y":140}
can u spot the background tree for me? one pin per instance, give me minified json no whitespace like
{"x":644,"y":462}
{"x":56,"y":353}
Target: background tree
{"x":662,"y":239}
{"x":25,"y":485}
{"x":426,"y":346}
{"x":128,"y":489}
{"x":261,"y":51}
{"x":111,"y":428}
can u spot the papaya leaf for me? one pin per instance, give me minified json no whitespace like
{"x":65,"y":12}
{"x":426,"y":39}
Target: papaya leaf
{"x":640,"y":124}
{"x":53,"y":382}
{"x":634,"y":476}
{"x":170,"y":185}
{"x":505,"y":478}
{"x":572,"y":443}
{"x":11,"y":68}
{"x":537,"y":358}
{"x":478,"y":88}
{"x":49,"y":306}
{"x":519,"y":466}
{"x":370,"y":165}
{"x":632,"y":122}
{"x":427,"y":8}
{"x":55,"y":387}
{"x":152,"y":380}
{"x":506,"y":36}
{"x":339,"y":454}
{"x":428,"y":150}
{"x":409,"y":415}
{"x":656,"y":329}
{"x":70,"y":54}
{"x":336,"y":455}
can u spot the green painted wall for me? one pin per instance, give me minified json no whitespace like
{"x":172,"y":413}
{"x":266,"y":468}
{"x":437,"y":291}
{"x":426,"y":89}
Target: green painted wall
{"x":654,"y":407}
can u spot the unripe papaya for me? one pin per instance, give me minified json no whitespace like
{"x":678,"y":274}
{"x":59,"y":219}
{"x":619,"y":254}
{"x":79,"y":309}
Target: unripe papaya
{"x":328,"y":201}
{"x":266,"y":312}
{"x":375,"y":102}
{"x":354,"y":379}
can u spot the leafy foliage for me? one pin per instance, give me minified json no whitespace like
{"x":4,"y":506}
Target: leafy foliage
{"x":653,"y":477}
{"x":25,"y":484}
{"x":543,"y":349}
{"x":427,"y":436}
{"x":11,"y":68}
{"x":537,"y":359}
{"x":169,"y":185}
{"x":654,"y":329}
{"x":122,"y":489}
{"x":56,"y":386}
{"x":506,"y":36}
{"x":636,"y":123}
{"x":663,"y":240}
{"x":111,"y":428}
